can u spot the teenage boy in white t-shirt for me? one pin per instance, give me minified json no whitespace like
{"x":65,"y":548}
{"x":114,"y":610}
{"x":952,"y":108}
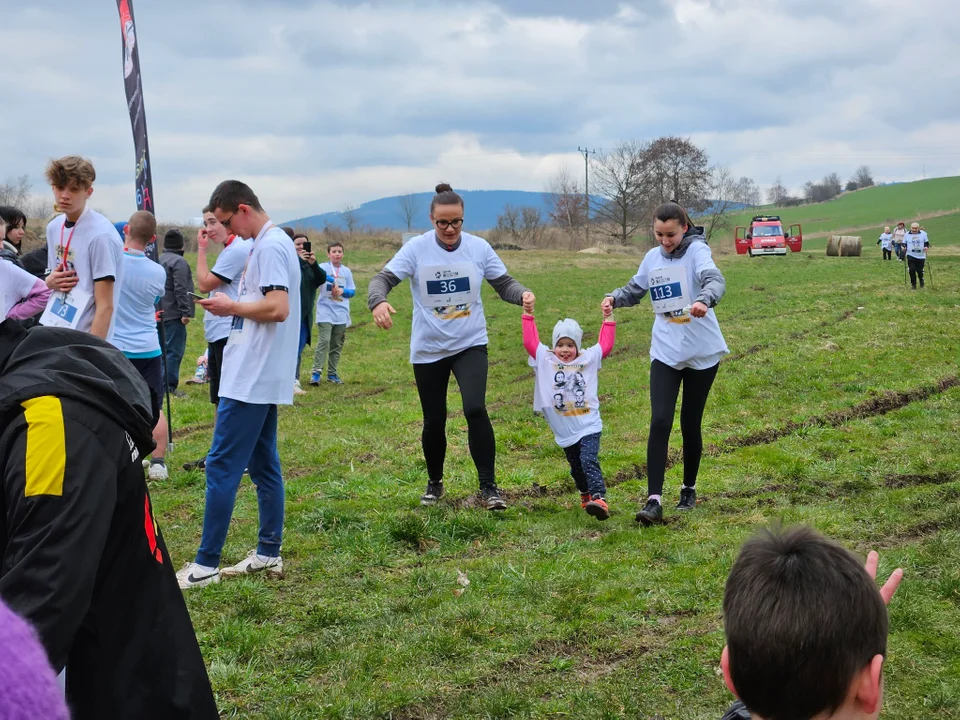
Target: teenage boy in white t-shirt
{"x":135,"y":334}
{"x":223,"y":277}
{"x":83,"y":254}
{"x":333,"y":315}
{"x":258,"y":372}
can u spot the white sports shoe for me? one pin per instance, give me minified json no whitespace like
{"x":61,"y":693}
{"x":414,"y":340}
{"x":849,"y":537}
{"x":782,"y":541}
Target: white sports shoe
{"x":297,"y":390}
{"x":192,"y":576}
{"x":255,"y":563}
{"x":157,"y":472}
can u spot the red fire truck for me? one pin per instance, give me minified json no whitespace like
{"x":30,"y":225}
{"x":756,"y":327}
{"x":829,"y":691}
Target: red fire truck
{"x":765,"y":236}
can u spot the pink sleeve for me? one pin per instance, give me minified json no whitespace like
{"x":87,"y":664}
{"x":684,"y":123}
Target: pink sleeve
{"x":608,"y":335}
{"x":531,"y":338}
{"x":33,"y":303}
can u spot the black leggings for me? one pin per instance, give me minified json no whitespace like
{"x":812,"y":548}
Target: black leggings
{"x":887,"y":254}
{"x":915,"y":266}
{"x":664,"y":388}
{"x":470,"y":369}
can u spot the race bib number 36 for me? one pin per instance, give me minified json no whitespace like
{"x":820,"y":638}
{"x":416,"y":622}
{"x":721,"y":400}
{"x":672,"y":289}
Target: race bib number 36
{"x":668,"y":289}
{"x":445,"y":285}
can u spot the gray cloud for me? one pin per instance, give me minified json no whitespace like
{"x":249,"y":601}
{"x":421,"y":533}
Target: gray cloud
{"x":320,"y":104}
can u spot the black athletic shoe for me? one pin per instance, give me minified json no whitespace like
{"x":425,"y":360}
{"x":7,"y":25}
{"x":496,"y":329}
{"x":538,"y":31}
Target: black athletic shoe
{"x":688,"y":499}
{"x":434,"y":492}
{"x":652,"y":514}
{"x":491,"y":496}
{"x":200,"y":464}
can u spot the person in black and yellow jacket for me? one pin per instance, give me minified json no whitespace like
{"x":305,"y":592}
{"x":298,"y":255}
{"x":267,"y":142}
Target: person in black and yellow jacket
{"x":81,"y":557}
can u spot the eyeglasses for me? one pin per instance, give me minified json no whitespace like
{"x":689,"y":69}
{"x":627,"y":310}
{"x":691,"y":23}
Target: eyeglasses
{"x":226,"y":223}
{"x":455,"y":224}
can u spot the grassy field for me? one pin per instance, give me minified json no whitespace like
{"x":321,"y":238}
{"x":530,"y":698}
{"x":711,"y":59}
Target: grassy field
{"x":838,"y":407}
{"x":872,"y":207}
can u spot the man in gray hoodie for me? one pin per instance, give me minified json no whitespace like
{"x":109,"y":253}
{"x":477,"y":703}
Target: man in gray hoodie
{"x":176,"y":306}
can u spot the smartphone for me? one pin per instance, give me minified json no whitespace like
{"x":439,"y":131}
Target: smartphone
{"x":307,"y":246}
{"x":195,"y":296}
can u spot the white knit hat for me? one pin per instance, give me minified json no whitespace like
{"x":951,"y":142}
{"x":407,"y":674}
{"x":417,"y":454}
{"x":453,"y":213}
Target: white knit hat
{"x":567,"y":328}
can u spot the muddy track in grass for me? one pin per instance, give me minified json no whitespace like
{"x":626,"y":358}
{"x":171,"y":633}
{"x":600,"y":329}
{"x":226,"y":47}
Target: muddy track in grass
{"x":875,"y":406}
{"x":789,"y":338}
{"x":189,"y":430}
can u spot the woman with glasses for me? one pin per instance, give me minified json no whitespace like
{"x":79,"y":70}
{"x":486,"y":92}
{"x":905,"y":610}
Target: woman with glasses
{"x":445,"y":267}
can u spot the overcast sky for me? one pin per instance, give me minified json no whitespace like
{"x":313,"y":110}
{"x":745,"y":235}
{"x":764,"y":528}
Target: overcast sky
{"x":318,"y":105}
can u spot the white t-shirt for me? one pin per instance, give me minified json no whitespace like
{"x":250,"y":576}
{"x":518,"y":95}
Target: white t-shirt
{"x":95,"y":252}
{"x":916,"y":244}
{"x":329,"y":310}
{"x":15,"y":285}
{"x":229,"y":268}
{"x":135,"y":333}
{"x":260,"y":359}
{"x":886,"y":240}
{"x":566,"y":393}
{"x":447,"y":311}
{"x":679,"y":339}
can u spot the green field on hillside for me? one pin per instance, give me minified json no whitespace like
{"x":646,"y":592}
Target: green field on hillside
{"x":871,"y":208}
{"x":838,"y":407}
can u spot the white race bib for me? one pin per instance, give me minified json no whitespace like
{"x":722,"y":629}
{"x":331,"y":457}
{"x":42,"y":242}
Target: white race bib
{"x":446,"y":285}
{"x":65,"y":309}
{"x":239,"y":332}
{"x":668,"y":288}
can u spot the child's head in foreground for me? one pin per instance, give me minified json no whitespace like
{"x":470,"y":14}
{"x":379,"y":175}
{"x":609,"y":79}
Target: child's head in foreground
{"x":806,"y":630}
{"x":567,"y":337}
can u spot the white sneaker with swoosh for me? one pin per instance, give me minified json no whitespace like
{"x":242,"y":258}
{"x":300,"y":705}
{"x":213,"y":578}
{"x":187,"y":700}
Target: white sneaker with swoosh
{"x":193,"y":576}
{"x":255,"y":563}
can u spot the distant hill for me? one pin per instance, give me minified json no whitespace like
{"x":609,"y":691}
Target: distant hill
{"x":482,"y":207}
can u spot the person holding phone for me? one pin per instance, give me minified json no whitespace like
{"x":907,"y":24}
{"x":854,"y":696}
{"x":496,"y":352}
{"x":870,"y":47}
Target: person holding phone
{"x":445,"y":267}
{"x":223,"y":278}
{"x":684,"y":285}
{"x":312,"y":276}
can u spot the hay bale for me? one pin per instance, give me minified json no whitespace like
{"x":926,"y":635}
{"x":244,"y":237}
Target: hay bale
{"x":851,"y":246}
{"x":844,"y":246}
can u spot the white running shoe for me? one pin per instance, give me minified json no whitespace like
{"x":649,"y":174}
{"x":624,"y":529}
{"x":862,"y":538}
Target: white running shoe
{"x":297,"y":390}
{"x":193,"y":576}
{"x":157,"y":472}
{"x":255,"y":563}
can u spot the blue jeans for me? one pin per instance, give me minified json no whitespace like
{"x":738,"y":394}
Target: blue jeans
{"x":175,"y":336}
{"x":245,"y":437}
{"x":304,"y":336}
{"x":585,"y":465}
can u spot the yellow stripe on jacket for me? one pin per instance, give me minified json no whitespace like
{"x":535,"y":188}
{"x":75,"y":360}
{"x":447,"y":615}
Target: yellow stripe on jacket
{"x":46,"y":446}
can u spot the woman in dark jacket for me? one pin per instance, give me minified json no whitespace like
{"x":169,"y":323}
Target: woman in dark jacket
{"x":312,"y":276}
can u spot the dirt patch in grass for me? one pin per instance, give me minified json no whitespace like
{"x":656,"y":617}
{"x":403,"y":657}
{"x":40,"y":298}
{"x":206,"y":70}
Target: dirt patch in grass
{"x":184,"y":432}
{"x":902,"y":481}
{"x":367,"y":393}
{"x":792,"y":337}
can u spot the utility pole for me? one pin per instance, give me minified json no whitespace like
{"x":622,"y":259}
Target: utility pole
{"x":586,"y":186}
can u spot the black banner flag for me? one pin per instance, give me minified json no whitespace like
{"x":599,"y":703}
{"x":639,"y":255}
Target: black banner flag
{"x":138,"y":118}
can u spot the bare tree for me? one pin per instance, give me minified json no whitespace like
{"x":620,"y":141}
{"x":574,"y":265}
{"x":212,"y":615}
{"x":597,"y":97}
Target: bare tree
{"x":508,"y":222}
{"x":531,"y":225}
{"x":726,"y":192}
{"x":748,"y":192}
{"x":863,"y":177}
{"x":40,"y":209}
{"x":566,"y":204}
{"x":676,"y":169}
{"x":409,"y":208}
{"x":350,"y":218}
{"x":619,"y":179}
{"x":16,"y":193}
{"x":778,"y":192}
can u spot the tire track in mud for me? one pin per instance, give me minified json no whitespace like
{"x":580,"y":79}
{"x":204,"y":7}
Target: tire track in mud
{"x":881,"y":404}
{"x":798,"y":335}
